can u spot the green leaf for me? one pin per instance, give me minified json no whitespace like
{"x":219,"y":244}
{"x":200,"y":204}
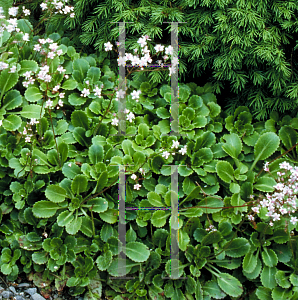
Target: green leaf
{"x":12,"y":100}
{"x":213,"y":290}
{"x":294,"y":279}
{"x":211,"y":205}
{"x":269,"y":257}
{"x":211,"y":238}
{"x":188,"y":186}
{"x":279,"y":293}
{"x":64,"y":218}
{"x":159,"y":218}
{"x":238,"y":247}
{"x":69,"y":84}
{"x":40,"y":156}
{"x":94,"y":74}
{"x":80,"y":67}
{"x":79,"y":184}
{"x":137,"y":251}
{"x":61,"y":127}
{"x":265,"y":184}
{"x":98,"y":204}
{"x":172,"y":268}
{"x":266,"y":145}
{"x":104,"y":261}
{"x":282,"y":279}
{"x":110,"y":216}
{"x":263,"y":293}
{"x":63,"y":151}
{"x":225,"y":171}
{"x":249,"y":262}
{"x":12,"y":122}
{"x":32,"y":111}
{"x":74,"y":226}
{"x":139,"y":158}
{"x":233,"y":145}
{"x":70,"y":170}
{"x":268,"y":277}
{"x":96,"y":154}
{"x":28,"y":65}
{"x":155,"y":199}
{"x":280,"y":236}
{"x":33,"y":94}
{"x":86,"y":226}
{"x":55,"y":193}
{"x":183,"y":239}
{"x":44,"y":209}
{"x":230,"y":284}
{"x":288,"y":136}
{"x":76,"y":100}
{"x":123,"y":266}
{"x":255,"y":273}
{"x":6,"y":269}
{"x":127,"y":147}
{"x":79,"y":119}
{"x":7,"y":80}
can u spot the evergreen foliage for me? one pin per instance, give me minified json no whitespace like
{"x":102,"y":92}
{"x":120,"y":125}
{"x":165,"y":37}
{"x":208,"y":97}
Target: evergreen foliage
{"x":246,"y":48}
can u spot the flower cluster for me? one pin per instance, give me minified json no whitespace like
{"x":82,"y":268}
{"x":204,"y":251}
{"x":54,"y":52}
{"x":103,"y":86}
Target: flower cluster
{"x":211,"y":228}
{"x":143,"y":61}
{"x":58,"y":6}
{"x":28,"y":134}
{"x":283,"y":201}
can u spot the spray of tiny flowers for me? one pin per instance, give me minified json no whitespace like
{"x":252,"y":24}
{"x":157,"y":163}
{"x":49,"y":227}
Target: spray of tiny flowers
{"x":283,"y":201}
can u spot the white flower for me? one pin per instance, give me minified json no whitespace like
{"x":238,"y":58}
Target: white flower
{"x":26,"y":11}
{"x":130,"y":117}
{"x":13,"y":11}
{"x":1,"y":122}
{"x":121,"y":61}
{"x":108,"y":46}
{"x":166,"y":154}
{"x":97,"y":91}
{"x":137,"y":186}
{"x":294,"y":220}
{"x":49,"y":103}
{"x":133,"y":176}
{"x":266,"y":169}
{"x":59,"y":52}
{"x":136,"y":94}
{"x":169,"y":50}
{"x":69,"y":164}
{"x":51,"y":55}
{"x":120,"y":94}
{"x":60,"y":103}
{"x":115,"y":121}
{"x":26,"y":37}
{"x":33,"y":121}
{"x":250,"y":217}
{"x":13,"y":69}
{"x":142,"y":170}
{"x":183,"y":150}
{"x":126,"y":110}
{"x":85,"y":92}
{"x":159,"y":48}
{"x":60,"y":69}
{"x":276,"y":217}
{"x":56,"y":267}
{"x":175,"y":144}
{"x":27,"y":139}
{"x":43,"y":6}
{"x":72,"y":15}
{"x":142,"y":42}
{"x":61,"y":95}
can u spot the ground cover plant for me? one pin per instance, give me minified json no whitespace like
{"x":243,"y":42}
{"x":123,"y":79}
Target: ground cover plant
{"x":59,"y":172}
